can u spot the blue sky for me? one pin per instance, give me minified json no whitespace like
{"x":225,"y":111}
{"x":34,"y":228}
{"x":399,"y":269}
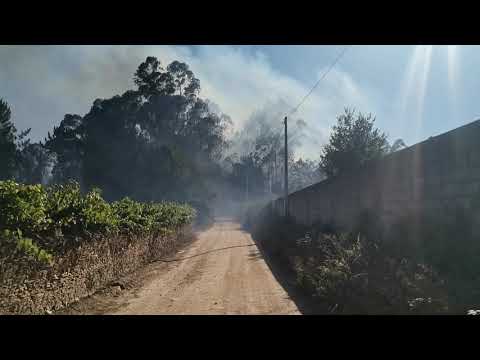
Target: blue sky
{"x":414,"y":91}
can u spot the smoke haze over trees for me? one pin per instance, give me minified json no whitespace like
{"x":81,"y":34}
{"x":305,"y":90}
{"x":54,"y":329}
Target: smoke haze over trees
{"x":162,"y":141}
{"x":157,"y":142}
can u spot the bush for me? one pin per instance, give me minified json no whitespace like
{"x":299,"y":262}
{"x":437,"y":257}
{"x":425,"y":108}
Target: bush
{"x":14,"y":245}
{"x":132,"y":217}
{"x":74,"y":215}
{"x":29,"y":248}
{"x":354,"y":275}
{"x":61,"y":216}
{"x":23,"y":207}
{"x":351,"y":272}
{"x":168,"y":215}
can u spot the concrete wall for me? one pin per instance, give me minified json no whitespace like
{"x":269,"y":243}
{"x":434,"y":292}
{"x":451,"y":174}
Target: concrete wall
{"x":440,"y":173}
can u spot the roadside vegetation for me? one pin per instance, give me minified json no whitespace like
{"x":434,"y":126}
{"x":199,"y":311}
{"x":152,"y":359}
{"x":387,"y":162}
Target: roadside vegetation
{"x":424,"y":264}
{"x":350,"y":273}
{"x":161,"y":157}
{"x":39,"y":222}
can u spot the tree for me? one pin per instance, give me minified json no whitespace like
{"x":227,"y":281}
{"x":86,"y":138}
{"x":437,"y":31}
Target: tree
{"x":151,"y":78}
{"x":158,"y":142}
{"x":247,"y":177}
{"x":67,"y":143}
{"x":261,"y":141}
{"x":35,"y":164}
{"x":353,"y":142}
{"x":303,"y":173}
{"x":7,"y":142}
{"x":183,"y":79}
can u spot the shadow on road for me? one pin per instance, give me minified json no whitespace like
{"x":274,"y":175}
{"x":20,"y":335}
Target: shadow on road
{"x":286,"y":278}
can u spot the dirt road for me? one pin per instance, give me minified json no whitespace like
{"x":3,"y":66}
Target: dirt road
{"x":222,"y":272}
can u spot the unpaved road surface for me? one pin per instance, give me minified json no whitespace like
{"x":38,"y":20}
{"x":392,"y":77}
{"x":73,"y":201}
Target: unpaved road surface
{"x":222,"y":272}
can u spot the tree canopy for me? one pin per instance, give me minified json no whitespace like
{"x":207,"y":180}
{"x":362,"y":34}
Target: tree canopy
{"x":353,"y":142}
{"x":7,"y":141}
{"x":162,"y":141}
{"x":158,"y":141}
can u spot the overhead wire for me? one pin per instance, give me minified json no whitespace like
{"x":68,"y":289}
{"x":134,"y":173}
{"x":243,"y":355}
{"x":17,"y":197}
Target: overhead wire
{"x":332,"y":65}
{"x":340,"y":55}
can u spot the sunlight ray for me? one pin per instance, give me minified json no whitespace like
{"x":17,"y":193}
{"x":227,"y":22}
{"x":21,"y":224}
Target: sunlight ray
{"x":452,"y":59}
{"x":414,"y":88}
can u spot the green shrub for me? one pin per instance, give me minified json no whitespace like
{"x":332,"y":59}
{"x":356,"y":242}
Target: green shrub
{"x":15,"y":243}
{"x":64,"y":206}
{"x":23,"y":207}
{"x":75,"y":215}
{"x":96,"y":215}
{"x":132,"y":217}
{"x":354,"y":275}
{"x":137,"y":217}
{"x":168,"y":215}
{"x":28,"y":247}
{"x":61,"y":217}
{"x":351,"y":272}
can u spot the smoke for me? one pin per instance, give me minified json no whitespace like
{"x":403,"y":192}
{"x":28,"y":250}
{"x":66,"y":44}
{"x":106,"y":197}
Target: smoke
{"x":43,"y":83}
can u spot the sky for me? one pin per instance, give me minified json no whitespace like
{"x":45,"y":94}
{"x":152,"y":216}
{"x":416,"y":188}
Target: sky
{"x":414,"y":92}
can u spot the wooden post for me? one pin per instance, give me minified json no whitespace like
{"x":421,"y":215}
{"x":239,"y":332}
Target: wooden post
{"x":286,"y":170}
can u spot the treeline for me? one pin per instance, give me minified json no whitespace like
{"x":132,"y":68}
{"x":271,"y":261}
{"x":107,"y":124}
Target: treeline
{"x":259,"y":165}
{"x":255,"y":160}
{"x":162,"y":141}
{"x":156,"y":142}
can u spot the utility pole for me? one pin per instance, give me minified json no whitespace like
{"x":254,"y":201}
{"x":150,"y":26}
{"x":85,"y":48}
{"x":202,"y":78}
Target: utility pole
{"x":286,"y":169}
{"x":275,"y":168}
{"x":247,"y":188}
{"x":270,"y":173}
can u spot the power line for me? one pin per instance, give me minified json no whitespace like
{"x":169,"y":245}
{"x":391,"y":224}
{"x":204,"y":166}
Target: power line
{"x":321,"y":78}
{"x":294,"y":111}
